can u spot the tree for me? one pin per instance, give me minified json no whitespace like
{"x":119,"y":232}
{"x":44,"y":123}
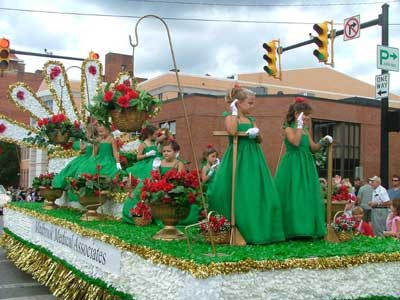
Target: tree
{"x":9,"y":164}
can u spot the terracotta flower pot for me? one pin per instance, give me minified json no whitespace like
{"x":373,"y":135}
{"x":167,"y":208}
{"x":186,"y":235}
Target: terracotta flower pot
{"x":170,"y":215}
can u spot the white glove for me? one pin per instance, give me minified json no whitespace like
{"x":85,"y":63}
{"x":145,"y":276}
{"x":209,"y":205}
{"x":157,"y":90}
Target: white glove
{"x":156,"y":163}
{"x":116,"y":133}
{"x":150,"y":153}
{"x":326,"y":140}
{"x":253,"y":132}
{"x":300,"y":121}
{"x":234,"y":109}
{"x":119,"y":166}
{"x":177,"y":154}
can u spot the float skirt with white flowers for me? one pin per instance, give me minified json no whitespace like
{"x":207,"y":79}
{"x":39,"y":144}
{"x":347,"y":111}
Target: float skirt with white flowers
{"x":113,"y":260}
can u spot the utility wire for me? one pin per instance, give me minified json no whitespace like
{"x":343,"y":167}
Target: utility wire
{"x":165,"y":18}
{"x":263,"y":5}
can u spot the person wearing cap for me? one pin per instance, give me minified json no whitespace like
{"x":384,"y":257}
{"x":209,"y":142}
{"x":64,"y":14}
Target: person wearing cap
{"x":380,"y":206}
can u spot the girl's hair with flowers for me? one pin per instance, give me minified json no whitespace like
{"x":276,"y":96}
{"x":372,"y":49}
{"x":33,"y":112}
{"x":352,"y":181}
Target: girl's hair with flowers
{"x":209,"y":150}
{"x":147,"y":132}
{"x":300,"y":105}
{"x":172,"y":143}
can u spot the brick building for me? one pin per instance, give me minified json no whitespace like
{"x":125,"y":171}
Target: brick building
{"x":343,"y":107}
{"x":354,"y":123}
{"x":16,"y":73}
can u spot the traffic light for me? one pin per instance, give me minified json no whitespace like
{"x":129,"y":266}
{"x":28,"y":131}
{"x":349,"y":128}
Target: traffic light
{"x":271,"y":58}
{"x":322,"y":41}
{"x":93,"y":55}
{"x":4,"y":53}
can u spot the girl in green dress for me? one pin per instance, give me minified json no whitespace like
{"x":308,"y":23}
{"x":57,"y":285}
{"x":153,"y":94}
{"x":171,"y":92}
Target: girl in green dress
{"x":297,"y":178}
{"x":169,"y":161}
{"x":147,"y":151}
{"x":86,"y":149}
{"x":258,"y":212}
{"x":210,"y":164}
{"x":105,"y":157}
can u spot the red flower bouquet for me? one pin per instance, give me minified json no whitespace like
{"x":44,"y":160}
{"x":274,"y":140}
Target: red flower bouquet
{"x":121,"y":98}
{"x":341,"y":193}
{"x":124,"y":182}
{"x":55,"y":130}
{"x":141,"y":214}
{"x":220,"y":228}
{"x":43,"y":181}
{"x":87,"y":184}
{"x":174,"y":188}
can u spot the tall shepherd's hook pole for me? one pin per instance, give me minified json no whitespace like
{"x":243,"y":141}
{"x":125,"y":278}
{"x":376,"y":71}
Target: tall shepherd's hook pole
{"x":134,"y":45}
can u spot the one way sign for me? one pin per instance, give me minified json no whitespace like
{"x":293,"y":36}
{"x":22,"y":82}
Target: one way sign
{"x":382,"y":86}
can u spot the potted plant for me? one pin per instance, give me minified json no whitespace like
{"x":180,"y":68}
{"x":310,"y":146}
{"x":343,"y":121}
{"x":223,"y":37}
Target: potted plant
{"x":220,"y":229}
{"x":128,"y":107}
{"x":343,"y":226}
{"x":141,"y":214}
{"x":340,"y":197}
{"x":56,"y":130}
{"x":43,"y":184}
{"x":124,"y":182}
{"x":92,"y":191}
{"x":169,"y":197}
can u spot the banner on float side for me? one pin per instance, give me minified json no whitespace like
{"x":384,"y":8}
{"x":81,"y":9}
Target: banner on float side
{"x":94,"y":252}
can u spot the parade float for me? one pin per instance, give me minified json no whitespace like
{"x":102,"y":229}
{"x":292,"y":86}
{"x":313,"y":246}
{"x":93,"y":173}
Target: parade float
{"x":108,"y":259}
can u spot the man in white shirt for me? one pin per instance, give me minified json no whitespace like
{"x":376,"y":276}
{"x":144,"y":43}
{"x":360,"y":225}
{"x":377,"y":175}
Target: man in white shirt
{"x":380,"y":206}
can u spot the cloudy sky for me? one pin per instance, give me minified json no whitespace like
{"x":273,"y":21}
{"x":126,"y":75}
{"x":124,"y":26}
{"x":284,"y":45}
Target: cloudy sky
{"x":217,"y":48}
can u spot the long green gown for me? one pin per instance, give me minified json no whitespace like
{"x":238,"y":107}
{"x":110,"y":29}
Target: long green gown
{"x":192,"y":218}
{"x":59,"y":180}
{"x":297,"y":182}
{"x":104,"y":158}
{"x":258,"y":212}
{"x":142,"y":168}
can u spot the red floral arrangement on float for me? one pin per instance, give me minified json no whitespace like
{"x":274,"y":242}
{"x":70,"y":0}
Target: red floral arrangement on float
{"x":341,"y":193}
{"x":344,"y":223}
{"x":43,"y":180}
{"x":49,"y":127}
{"x":174,"y":188}
{"x":141,"y":210}
{"x":121,"y":97}
{"x":124,"y":181}
{"x":217,"y":223}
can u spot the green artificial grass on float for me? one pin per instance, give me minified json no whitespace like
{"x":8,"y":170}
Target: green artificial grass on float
{"x":278,"y":251}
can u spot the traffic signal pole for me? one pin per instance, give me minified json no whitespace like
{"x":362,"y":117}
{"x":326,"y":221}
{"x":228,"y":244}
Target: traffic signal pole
{"x":383,"y":21}
{"x":384,"y":170}
{"x":45,"y":55}
{"x":336,"y":34}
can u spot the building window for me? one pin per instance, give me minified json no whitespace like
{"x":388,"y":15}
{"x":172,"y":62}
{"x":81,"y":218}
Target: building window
{"x":170,"y":125}
{"x":49,"y":104}
{"x":347,"y":149}
{"x":24,"y":153}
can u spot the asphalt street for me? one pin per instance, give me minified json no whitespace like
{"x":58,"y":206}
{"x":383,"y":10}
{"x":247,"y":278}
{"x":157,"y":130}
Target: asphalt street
{"x":17,"y":285}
